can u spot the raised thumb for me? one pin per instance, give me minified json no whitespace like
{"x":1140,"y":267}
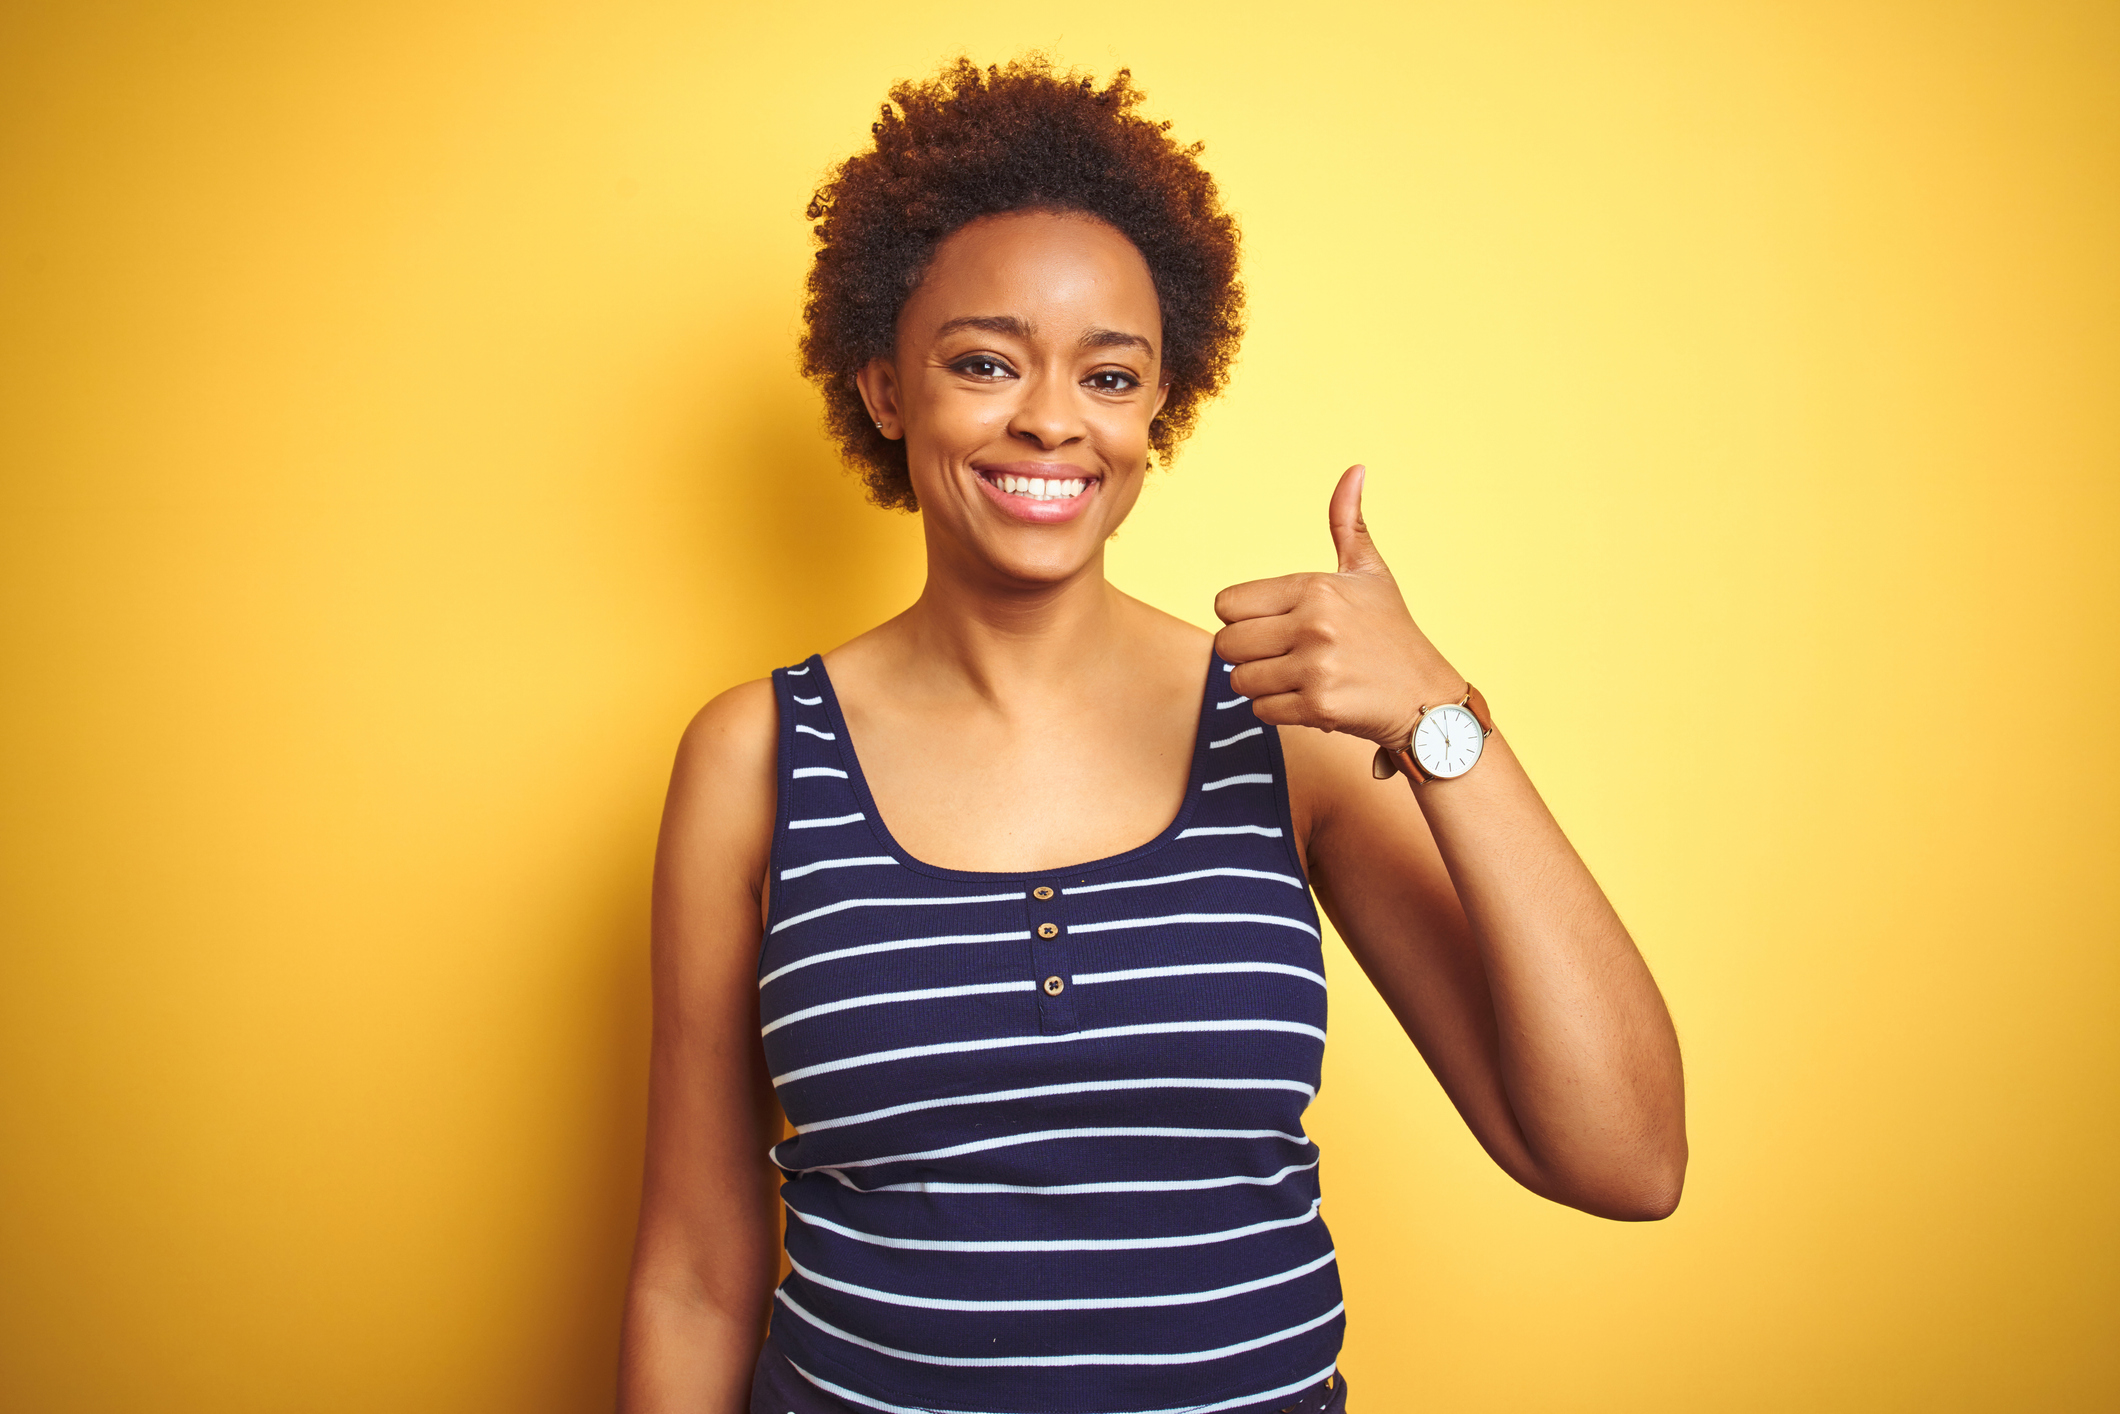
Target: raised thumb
{"x":1350,"y":537}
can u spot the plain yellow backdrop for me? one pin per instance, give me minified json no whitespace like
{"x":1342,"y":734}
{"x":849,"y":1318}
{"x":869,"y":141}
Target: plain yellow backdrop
{"x":401,"y":439}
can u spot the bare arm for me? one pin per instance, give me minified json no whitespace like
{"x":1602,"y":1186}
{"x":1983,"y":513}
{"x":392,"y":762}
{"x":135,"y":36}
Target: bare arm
{"x":705,"y":1258}
{"x":1462,"y":899}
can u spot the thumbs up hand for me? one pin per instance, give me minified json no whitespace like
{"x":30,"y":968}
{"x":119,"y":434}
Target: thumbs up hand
{"x":1337,"y":651}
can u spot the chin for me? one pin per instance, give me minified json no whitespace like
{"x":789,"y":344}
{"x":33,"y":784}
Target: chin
{"x":1044,"y":565}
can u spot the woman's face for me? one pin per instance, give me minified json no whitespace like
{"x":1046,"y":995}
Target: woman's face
{"x":1027,"y":370}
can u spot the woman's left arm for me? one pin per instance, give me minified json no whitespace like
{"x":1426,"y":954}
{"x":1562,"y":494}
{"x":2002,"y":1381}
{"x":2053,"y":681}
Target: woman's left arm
{"x":1462,"y":899}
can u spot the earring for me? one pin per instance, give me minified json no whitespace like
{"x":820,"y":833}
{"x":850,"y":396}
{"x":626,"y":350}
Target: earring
{"x":879,"y":424}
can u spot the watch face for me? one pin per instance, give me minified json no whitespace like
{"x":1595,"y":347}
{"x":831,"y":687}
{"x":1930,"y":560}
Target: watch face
{"x":1448,"y":741}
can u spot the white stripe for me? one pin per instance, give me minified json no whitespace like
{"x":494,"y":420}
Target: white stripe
{"x":1033,"y":1137}
{"x":1225,"y":741}
{"x":1273,"y":918}
{"x":1145,"y":1185}
{"x":946,"y":940}
{"x":1000,"y":1043}
{"x":845,"y":904}
{"x":811,"y":701}
{"x":988,"y":1362}
{"x":838,"y":820}
{"x":802,"y":772}
{"x":1077,"y":1303}
{"x":1032,"y":1092}
{"x":1262,"y":1397}
{"x":1046,"y":1136}
{"x":1272,"y":832}
{"x":1084,"y":979}
{"x":801,"y":869}
{"x":1189,"y":874}
{"x":797,"y":672}
{"x":1079,"y":1244}
{"x":822,"y":736}
{"x":1229,"y":667}
{"x":970,"y":989}
{"x":1255,"y":779}
{"x":1233,"y":702}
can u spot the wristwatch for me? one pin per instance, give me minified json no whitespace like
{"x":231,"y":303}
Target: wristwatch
{"x":1447,"y":739}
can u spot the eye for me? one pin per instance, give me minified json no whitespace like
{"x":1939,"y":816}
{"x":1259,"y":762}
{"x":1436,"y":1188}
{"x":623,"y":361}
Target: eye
{"x":1112,"y":380}
{"x":984,"y":367}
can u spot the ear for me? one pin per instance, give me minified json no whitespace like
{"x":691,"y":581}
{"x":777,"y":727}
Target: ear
{"x":1162,"y":397}
{"x":878,"y":382}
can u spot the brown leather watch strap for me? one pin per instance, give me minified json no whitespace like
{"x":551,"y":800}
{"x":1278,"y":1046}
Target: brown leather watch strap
{"x":1477,"y":705}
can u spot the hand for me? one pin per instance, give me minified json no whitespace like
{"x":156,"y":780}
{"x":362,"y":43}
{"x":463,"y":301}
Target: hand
{"x":1335,"y":651}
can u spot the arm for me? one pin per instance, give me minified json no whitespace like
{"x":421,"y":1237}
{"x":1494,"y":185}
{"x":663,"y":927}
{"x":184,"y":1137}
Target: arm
{"x":1462,"y":899}
{"x":705,"y":1258}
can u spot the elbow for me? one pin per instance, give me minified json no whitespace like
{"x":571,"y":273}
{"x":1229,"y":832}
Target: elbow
{"x":1650,"y":1191}
{"x":1645,"y":1189}
{"x":1651,"y":1203}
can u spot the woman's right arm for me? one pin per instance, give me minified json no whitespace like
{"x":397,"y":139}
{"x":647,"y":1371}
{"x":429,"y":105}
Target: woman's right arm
{"x":706,"y":1257}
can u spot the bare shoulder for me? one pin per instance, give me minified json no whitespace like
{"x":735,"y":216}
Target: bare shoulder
{"x":739,"y":729}
{"x":1165,"y":632}
{"x":1166,"y":650}
{"x":718,"y":820}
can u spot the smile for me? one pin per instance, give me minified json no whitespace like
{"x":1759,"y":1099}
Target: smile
{"x":1038,"y":493}
{"x":1036,"y":488}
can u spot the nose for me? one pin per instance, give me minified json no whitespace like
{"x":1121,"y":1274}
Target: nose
{"x":1048,"y":416}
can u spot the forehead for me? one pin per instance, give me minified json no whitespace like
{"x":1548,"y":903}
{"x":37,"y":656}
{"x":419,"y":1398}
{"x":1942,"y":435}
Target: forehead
{"x":1058,"y":271}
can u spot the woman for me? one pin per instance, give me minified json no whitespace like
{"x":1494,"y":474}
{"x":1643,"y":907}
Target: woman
{"x":1048,"y":1152}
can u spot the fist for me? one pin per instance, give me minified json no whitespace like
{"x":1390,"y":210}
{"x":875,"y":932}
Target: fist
{"x":1337,"y":651}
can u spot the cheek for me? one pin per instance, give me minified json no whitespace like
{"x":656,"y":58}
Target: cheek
{"x":1124,"y":433}
{"x":960,"y":423}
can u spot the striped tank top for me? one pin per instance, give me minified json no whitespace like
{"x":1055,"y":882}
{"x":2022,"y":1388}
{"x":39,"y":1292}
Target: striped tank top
{"x":1049,"y":1153}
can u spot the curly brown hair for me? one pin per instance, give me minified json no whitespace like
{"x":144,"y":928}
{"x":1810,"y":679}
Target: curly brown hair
{"x":970,"y":143}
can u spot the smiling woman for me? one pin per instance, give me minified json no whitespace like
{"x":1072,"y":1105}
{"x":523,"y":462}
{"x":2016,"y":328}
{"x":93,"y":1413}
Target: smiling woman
{"x":970,"y":145}
{"x":1034,"y":974}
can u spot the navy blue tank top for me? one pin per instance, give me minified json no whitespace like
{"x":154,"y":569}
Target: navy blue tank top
{"x":1049,"y":1153}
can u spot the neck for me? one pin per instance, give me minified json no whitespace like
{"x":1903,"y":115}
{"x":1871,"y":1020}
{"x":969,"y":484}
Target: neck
{"x":1006,"y":638}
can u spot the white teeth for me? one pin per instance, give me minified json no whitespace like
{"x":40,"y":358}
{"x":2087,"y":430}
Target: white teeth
{"x":1038,"y":488}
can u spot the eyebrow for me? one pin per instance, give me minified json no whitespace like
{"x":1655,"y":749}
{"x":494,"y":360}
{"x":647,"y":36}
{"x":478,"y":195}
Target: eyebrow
{"x":1115,"y":339}
{"x":1017,"y":328}
{"x":991,"y":323}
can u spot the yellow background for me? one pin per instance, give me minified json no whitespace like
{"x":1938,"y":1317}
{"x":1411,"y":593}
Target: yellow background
{"x":401,"y":439}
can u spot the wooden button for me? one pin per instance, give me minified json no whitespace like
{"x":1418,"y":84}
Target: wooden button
{"x":1041,"y":892}
{"x":1054,"y":986}
{"x":1048,"y":930}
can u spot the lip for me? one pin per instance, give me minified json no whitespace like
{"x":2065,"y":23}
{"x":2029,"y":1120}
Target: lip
{"x":1032,"y":512}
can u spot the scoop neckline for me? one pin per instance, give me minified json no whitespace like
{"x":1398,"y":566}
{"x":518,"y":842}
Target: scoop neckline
{"x":859,"y":780}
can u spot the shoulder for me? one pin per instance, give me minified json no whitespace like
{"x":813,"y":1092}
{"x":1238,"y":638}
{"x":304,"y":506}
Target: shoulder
{"x":1167,"y":632}
{"x":738,"y":728}
{"x":719,"y":814}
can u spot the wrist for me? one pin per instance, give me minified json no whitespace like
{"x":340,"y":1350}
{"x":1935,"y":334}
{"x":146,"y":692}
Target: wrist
{"x":1445,"y":741}
{"x":1434,"y":690}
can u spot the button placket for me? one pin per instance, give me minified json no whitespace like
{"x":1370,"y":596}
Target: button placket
{"x":1050,"y":968}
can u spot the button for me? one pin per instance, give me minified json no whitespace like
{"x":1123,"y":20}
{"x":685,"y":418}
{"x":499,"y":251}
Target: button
{"x":1041,"y":892}
{"x":1048,"y":930}
{"x":1054,"y":986}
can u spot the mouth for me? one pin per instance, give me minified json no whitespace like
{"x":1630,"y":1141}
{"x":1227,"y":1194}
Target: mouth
{"x":1040,"y":494}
